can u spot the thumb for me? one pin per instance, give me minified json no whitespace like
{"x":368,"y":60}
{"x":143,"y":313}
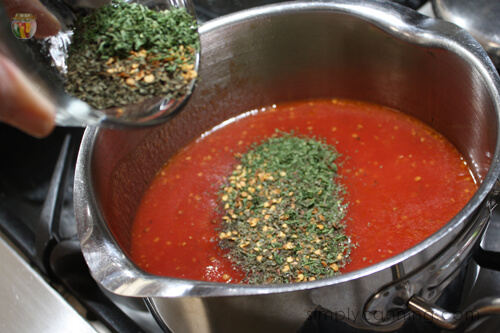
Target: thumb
{"x":22,"y":105}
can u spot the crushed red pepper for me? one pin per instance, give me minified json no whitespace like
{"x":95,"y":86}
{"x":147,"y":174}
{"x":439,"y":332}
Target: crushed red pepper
{"x":285,"y":212}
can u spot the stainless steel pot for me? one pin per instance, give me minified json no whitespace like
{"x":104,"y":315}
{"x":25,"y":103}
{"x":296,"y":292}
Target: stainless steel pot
{"x":373,"y":51}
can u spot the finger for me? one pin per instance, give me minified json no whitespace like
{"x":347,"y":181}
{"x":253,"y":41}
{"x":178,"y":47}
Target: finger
{"x":22,"y":105}
{"x":47,"y":23}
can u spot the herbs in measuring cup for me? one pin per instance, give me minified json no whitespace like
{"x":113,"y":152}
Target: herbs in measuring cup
{"x":124,"y":53}
{"x":284,"y":212}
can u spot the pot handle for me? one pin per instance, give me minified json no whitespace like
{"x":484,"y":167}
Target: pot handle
{"x":390,"y":304}
{"x":450,"y":320}
{"x":487,"y":256}
{"x":488,"y":253}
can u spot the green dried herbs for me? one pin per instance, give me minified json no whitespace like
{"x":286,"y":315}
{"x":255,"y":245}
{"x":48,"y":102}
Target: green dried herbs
{"x":124,"y":53}
{"x":284,"y":212}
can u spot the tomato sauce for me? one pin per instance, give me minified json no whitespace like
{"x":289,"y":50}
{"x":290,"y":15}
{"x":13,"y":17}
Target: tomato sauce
{"x":404,"y":181}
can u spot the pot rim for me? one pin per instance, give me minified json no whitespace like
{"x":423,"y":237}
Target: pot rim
{"x":116,"y":273}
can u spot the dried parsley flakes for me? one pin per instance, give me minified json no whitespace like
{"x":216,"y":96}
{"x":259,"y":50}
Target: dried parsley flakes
{"x":284,"y":212}
{"x":124,"y":53}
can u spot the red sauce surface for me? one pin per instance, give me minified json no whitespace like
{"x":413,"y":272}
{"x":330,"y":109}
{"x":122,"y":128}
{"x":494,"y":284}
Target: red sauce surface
{"x":404,"y":182}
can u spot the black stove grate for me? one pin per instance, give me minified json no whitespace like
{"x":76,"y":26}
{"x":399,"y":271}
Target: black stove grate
{"x":36,"y":215}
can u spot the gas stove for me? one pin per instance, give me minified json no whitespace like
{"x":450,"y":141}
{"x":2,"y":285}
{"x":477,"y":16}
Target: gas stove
{"x":46,"y":285}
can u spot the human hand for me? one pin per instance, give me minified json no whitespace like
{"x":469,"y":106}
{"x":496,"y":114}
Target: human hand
{"x":22,"y":104}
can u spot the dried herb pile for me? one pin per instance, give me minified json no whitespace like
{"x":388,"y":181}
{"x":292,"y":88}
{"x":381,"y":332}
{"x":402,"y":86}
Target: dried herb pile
{"x":124,"y":52}
{"x":284,"y":212}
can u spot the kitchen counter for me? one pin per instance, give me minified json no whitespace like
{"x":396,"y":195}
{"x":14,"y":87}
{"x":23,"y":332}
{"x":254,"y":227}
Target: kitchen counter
{"x":29,"y":304}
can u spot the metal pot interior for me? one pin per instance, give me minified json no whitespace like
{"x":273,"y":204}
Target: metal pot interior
{"x":363,"y":50}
